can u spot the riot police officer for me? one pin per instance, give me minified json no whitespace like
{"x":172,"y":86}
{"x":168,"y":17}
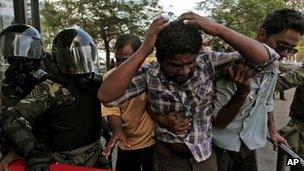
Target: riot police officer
{"x":21,"y":46}
{"x":65,"y":105}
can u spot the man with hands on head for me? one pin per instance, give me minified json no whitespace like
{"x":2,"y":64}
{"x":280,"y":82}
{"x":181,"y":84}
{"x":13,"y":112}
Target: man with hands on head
{"x":181,"y":81}
{"x":244,"y":117}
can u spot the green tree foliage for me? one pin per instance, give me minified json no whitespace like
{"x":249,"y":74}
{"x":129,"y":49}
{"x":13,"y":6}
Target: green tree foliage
{"x":103,"y":20}
{"x":244,"y":16}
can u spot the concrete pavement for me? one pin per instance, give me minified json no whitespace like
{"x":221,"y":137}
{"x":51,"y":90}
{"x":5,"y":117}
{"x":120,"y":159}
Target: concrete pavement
{"x":266,"y":156}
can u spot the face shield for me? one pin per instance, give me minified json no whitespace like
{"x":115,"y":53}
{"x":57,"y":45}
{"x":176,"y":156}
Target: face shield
{"x":17,"y":45}
{"x":76,"y":59}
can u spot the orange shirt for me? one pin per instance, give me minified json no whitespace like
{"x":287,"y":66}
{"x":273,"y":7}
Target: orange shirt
{"x":137,"y":125}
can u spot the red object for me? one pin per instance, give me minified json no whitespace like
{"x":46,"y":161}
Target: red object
{"x":18,"y":165}
{"x":66,"y":167}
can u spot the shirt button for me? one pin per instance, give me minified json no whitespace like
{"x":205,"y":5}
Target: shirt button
{"x":251,"y":97}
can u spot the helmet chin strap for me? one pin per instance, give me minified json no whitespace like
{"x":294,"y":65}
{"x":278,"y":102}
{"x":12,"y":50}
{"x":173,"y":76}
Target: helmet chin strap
{"x":19,"y":77}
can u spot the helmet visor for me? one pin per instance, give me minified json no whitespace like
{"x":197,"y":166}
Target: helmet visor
{"x":14,"y":45}
{"x":77,"y":59}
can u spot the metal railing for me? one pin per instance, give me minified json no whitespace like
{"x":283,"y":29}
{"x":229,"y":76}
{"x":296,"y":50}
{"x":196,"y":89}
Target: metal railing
{"x":284,"y":153}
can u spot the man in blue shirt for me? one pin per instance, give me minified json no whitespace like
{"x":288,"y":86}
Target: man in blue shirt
{"x":241,"y":117}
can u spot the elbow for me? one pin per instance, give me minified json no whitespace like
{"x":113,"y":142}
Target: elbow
{"x":262,"y":60}
{"x":103,"y":96}
{"x":264,"y":57}
{"x":259,"y":56}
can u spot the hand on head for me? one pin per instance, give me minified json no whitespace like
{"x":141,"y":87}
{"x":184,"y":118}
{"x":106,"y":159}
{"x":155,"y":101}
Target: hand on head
{"x":206,"y":25}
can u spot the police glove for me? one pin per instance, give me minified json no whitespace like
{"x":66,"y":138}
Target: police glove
{"x":38,"y":161}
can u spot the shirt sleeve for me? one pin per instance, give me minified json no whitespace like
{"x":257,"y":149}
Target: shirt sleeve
{"x":221,"y":60}
{"x":45,"y":95}
{"x":271,"y":64}
{"x":108,"y":111}
{"x":291,"y":79}
{"x":136,"y":87}
{"x":270,"y":101}
{"x":18,"y":120}
{"x":297,"y":107}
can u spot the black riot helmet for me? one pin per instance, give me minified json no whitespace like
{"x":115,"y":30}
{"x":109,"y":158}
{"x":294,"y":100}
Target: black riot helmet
{"x":74,"y":51}
{"x":20,"y":41}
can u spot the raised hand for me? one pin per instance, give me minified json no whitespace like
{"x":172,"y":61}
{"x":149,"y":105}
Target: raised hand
{"x":150,"y":37}
{"x":206,"y":25}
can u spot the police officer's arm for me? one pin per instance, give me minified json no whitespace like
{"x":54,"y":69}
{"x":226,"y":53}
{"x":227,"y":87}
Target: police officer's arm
{"x":116,"y":83}
{"x":290,"y":80}
{"x":240,"y":75}
{"x":251,"y":49}
{"x":297,"y":104}
{"x":17,"y":122}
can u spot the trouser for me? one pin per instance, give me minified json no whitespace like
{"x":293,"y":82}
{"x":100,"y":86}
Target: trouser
{"x":227,"y":160}
{"x":135,"y":160}
{"x":89,"y":156}
{"x":165,"y":159}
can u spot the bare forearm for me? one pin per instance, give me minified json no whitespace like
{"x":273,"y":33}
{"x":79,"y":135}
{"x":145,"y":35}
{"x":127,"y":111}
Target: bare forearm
{"x":270,"y":123}
{"x":115,"y":123}
{"x":116,"y":83}
{"x":247,"y":47}
{"x":230,"y":110}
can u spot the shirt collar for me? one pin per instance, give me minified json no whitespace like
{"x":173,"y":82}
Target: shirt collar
{"x":156,"y":72}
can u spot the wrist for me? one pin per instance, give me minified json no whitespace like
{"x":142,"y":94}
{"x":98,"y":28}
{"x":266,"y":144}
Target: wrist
{"x":272,"y":131}
{"x":117,"y":131}
{"x":161,"y":120}
{"x":145,"y":51}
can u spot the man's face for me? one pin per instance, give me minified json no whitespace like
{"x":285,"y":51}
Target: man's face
{"x":180,"y":67}
{"x":284,"y":43}
{"x":123,"y":54}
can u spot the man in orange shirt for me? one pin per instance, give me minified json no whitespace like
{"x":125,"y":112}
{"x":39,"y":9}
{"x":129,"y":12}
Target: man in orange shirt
{"x":130,"y":124}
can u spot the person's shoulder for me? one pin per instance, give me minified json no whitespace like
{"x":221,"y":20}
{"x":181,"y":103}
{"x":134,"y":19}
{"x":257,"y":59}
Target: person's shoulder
{"x":50,"y":85}
{"x":152,"y":68}
{"x":272,"y":53}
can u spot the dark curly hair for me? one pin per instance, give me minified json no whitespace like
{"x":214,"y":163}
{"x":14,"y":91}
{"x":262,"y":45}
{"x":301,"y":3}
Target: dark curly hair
{"x":178,"y":38}
{"x":283,"y":19}
{"x":127,"y":39}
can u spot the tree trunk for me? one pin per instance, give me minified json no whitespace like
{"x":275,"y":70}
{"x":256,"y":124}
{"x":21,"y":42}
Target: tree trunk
{"x":106,"y":42}
{"x":107,"y":49}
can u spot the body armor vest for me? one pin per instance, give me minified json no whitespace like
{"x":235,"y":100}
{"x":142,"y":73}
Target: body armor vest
{"x":79,"y":123}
